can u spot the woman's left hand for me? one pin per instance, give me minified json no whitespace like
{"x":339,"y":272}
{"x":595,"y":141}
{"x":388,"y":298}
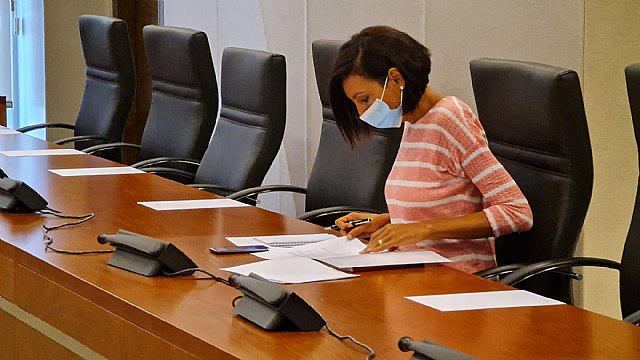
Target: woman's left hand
{"x":394,"y":235}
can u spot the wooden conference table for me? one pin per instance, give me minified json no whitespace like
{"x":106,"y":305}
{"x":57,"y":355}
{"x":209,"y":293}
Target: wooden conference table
{"x":98,"y":309}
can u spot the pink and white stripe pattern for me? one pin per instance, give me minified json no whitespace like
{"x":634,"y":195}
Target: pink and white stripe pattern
{"x":445,"y":169}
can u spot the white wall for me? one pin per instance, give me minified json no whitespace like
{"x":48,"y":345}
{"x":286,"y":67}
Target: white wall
{"x":541,"y":31}
{"x":64,"y":63}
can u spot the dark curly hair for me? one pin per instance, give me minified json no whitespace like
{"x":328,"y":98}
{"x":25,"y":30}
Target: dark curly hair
{"x":371,"y":53}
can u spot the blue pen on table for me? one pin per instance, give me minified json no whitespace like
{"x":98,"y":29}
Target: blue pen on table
{"x":353,"y":223}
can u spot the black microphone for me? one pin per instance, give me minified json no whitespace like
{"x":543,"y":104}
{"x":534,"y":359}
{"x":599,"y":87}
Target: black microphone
{"x":429,"y":350}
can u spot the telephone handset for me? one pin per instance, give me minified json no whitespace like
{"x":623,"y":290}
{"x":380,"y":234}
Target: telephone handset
{"x":145,"y":255}
{"x":16,"y":196}
{"x":272,"y":307}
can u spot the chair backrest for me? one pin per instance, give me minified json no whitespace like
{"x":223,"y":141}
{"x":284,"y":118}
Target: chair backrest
{"x":110,"y":80}
{"x":630,"y":270}
{"x":534,"y":118}
{"x":340,"y":175}
{"x":184,"y":97}
{"x":252,"y":119}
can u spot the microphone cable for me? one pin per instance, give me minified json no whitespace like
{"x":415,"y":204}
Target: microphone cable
{"x":47,"y":238}
{"x":371,"y":353}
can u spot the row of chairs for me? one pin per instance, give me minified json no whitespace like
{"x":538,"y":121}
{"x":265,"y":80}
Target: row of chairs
{"x":533,"y":115}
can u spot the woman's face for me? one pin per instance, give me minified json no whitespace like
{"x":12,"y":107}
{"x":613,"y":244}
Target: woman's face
{"x":363,"y":92}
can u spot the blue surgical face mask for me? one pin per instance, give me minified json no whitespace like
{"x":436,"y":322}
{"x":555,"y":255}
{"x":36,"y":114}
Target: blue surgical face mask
{"x":380,"y":116}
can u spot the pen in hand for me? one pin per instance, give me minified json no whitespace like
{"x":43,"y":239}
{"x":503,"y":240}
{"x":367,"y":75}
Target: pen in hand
{"x":353,"y":223}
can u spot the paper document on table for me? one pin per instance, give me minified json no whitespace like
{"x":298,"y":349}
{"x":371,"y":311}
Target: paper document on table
{"x":484,"y":300}
{"x":191,"y":204}
{"x":391,"y":258}
{"x":42,"y":152}
{"x":114,"y":170}
{"x":293,"y":270}
{"x":338,"y":246}
{"x":5,"y":131}
{"x":285,"y":241}
{"x":293,"y":240}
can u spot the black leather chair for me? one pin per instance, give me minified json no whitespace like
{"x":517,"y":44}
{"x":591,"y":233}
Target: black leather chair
{"x":184,"y":98}
{"x":629,"y":266}
{"x":342,"y":179}
{"x":109,"y":87}
{"x":250,"y":128}
{"x":535,"y":121}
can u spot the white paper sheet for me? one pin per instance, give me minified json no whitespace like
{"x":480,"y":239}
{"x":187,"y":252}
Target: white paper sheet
{"x":43,"y":152}
{"x":191,"y":204}
{"x":5,"y":131}
{"x":385,"y":259}
{"x":484,"y":300}
{"x":291,"y":270}
{"x":115,"y":170}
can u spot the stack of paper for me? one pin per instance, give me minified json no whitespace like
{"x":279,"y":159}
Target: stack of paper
{"x":298,"y":264}
{"x":292,"y":270}
{"x":345,"y":254}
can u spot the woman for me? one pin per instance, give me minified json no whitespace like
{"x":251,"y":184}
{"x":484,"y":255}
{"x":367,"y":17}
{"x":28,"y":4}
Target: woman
{"x":446,"y":191}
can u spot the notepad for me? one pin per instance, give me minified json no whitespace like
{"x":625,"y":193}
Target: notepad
{"x":114,"y":170}
{"x":291,"y":271}
{"x":384,"y":259}
{"x":334,"y":247}
{"x":484,"y":300}
{"x":284,"y":241}
{"x":191,"y":204}
{"x":43,"y":152}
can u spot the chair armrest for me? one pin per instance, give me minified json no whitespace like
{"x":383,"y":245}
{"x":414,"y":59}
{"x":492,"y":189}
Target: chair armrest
{"x":216,"y":189}
{"x":25,"y":129}
{"x":170,"y":171}
{"x":545,"y":266}
{"x":633,"y":318}
{"x":499,"y":270}
{"x":333,"y":211}
{"x":120,"y":145}
{"x":80,"y":138}
{"x":164,"y":160}
{"x":266,"y":189}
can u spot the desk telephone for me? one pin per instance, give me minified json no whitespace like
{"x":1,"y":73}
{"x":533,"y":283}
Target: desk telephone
{"x":145,"y":255}
{"x":272,"y":307}
{"x":16,"y":196}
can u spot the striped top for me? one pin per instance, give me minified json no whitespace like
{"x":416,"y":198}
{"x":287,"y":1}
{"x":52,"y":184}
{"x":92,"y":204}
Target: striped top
{"x":444,"y":169}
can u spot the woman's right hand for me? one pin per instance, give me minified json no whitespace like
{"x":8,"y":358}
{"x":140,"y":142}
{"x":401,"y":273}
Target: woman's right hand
{"x":378,"y":221}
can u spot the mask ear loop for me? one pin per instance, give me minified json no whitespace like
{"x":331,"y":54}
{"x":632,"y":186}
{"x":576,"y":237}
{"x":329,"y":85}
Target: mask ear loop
{"x":384,"y":87}
{"x":401,"y":92}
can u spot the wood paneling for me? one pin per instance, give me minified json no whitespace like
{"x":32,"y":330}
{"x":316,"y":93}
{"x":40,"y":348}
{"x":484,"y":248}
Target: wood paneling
{"x":137,"y":14}
{"x":7,"y":336}
{"x":33,"y":345}
{"x":3,"y":111}
{"x":6,"y":278}
{"x":92,"y":325}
